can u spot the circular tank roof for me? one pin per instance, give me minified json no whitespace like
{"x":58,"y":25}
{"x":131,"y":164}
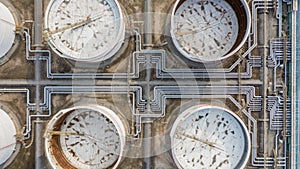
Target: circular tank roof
{"x":85,"y":30}
{"x":210,"y":30}
{"x":209,"y":137}
{"x":85,"y":137}
{"x":7,"y":27}
{"x":7,"y":137}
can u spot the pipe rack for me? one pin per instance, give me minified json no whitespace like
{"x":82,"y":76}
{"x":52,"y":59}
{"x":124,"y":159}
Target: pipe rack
{"x":145,"y":107}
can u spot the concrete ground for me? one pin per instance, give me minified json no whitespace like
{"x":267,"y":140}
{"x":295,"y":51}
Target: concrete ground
{"x":20,"y":73}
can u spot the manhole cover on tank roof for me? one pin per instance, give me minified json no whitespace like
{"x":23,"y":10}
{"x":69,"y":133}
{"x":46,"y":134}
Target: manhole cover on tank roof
{"x":7,"y":136}
{"x":7,"y":27}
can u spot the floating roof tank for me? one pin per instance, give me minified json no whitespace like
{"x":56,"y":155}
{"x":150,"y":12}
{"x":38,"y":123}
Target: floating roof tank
{"x":209,"y":137}
{"x":8,"y":141}
{"x":210,"y":30}
{"x":85,"y":30}
{"x":85,"y":137}
{"x":7,"y":27}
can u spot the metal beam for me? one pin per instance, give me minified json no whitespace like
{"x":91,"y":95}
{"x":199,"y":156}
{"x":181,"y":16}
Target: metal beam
{"x":148,"y":141}
{"x":294,"y":148}
{"x":38,"y":39}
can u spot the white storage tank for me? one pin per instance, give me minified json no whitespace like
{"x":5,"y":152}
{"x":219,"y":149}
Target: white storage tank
{"x":85,"y":137}
{"x":8,"y":28}
{"x":209,"y":137}
{"x":85,"y":30}
{"x":210,"y":30}
{"x":9,"y":145}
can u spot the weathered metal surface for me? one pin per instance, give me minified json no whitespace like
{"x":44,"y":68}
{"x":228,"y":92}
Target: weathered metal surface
{"x":96,"y":143}
{"x":7,"y":137}
{"x":84,"y":30}
{"x":85,"y":137}
{"x":209,"y":137}
{"x":207,"y":30}
{"x":7,"y":27}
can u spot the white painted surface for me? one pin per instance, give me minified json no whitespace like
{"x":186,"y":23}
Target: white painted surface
{"x":7,"y":27}
{"x":99,"y":144}
{"x":209,"y":137}
{"x":7,"y":136}
{"x":85,"y":30}
{"x":206,"y":30}
{"x":90,"y":137}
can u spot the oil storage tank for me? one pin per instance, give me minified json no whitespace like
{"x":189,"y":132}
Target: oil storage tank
{"x":209,"y":30}
{"x":209,"y":137}
{"x":90,"y":31}
{"x":9,"y":143}
{"x":85,"y":137}
{"x":8,"y":22}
